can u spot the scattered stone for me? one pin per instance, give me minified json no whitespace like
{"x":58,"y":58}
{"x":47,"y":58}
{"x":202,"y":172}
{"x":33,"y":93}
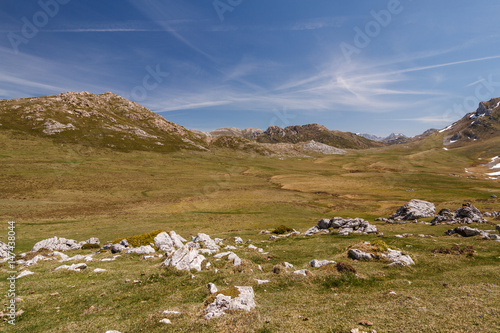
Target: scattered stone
{"x":56,"y":243}
{"x":212,"y":289}
{"x":311,"y":231}
{"x":117,"y":248}
{"x":303,"y":272}
{"x":145,"y":249}
{"x":92,"y":241}
{"x":319,"y":263}
{"x":166,"y":321}
{"x":493,"y":196}
{"x":398,"y":258}
{"x":365,"y":323}
{"x":287,"y":265}
{"x":360,"y":255}
{"x":230,"y":247}
{"x":262,"y":281}
{"x":178,"y":240}
{"x":252,"y":247}
{"x":34,"y":260}
{"x":467,"y":232}
{"x":164,"y":242}
{"x":238,"y":240}
{"x":414,"y":209}
{"x":99,"y":270}
{"x":230,"y":256}
{"x":205,"y":239}
{"x":185,"y":258}
{"x":222,"y":303}
{"x":24,"y":273}
{"x":54,"y":294}
{"x":74,"y":267}
{"x":167,"y":312}
{"x":345,"y":226}
{"x":4,"y":250}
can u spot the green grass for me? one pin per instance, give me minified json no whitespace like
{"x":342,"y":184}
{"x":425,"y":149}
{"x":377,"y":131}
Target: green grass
{"x":80,"y":192}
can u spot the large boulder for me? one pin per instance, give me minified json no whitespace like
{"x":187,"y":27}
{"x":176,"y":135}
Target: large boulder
{"x":185,"y":258}
{"x":206,"y":241}
{"x":360,"y":255}
{"x":164,"y":242}
{"x":177,"y":239}
{"x":466,"y":232}
{"x":414,"y":209}
{"x":398,"y":258}
{"x":324,"y":223}
{"x":468,"y":211}
{"x":56,"y":244}
{"x":117,"y":248}
{"x":222,"y":303}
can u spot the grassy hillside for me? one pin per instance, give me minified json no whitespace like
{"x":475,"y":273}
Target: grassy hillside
{"x":76,"y":191}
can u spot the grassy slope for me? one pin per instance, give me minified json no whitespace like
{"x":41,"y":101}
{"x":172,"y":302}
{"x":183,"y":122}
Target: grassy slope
{"x":78,"y":192}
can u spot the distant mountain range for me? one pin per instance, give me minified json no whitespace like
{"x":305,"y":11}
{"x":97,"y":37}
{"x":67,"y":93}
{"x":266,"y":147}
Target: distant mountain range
{"x":112,"y":121}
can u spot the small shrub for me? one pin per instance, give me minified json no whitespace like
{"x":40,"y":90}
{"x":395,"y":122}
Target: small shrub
{"x":140,"y":240}
{"x":282,"y":229}
{"x":90,"y":246}
{"x":380,"y":245}
{"x":345,"y":268}
{"x":231,"y":291}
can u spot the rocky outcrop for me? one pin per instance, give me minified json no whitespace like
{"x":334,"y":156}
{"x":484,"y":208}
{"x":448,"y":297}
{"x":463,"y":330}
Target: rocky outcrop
{"x":466,"y":214}
{"x":185,"y":258}
{"x":413,"y":210}
{"x":205,"y":241}
{"x":164,"y":242}
{"x":244,"y":301}
{"x":56,"y":244}
{"x":345,"y":226}
{"x":322,"y":148}
{"x":230,"y":256}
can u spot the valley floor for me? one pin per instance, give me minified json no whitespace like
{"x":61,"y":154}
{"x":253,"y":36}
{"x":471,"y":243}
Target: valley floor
{"x":79,"y":192}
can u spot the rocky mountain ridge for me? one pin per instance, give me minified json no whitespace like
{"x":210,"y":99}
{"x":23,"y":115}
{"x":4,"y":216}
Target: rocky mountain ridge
{"x":482,"y":124}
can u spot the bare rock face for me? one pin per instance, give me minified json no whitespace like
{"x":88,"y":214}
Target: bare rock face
{"x":56,"y":244}
{"x":185,"y":258}
{"x":414,"y":209}
{"x":52,"y":127}
{"x":222,"y":303}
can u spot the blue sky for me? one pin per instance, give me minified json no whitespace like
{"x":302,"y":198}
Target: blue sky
{"x":361,"y":66}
